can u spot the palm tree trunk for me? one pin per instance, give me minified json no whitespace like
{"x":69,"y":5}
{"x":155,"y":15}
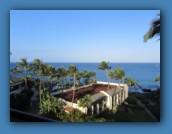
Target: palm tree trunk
{"x":107,"y":78}
{"x":25,"y":77}
{"x":73,"y":92}
{"x":62,"y":96}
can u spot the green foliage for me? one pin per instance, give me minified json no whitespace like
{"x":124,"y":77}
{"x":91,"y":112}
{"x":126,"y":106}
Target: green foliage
{"x":144,"y":101}
{"x":120,"y":116}
{"x":78,"y":84}
{"x":157,"y":79}
{"x":140,"y":96}
{"x":156,"y":97}
{"x":85,"y":101}
{"x":103,"y":66}
{"x":137,"y":107}
{"x":131,"y":100}
{"x":78,"y":116}
{"x":154,"y":29}
{"x":23,"y":64}
{"x":119,"y":73}
{"x":51,"y":107}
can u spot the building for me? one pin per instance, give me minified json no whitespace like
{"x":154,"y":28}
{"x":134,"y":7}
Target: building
{"x":16,"y":85}
{"x":101,"y":97}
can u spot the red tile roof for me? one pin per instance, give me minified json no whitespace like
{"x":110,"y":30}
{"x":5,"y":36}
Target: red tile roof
{"x":69,"y":109}
{"x":80,"y":93}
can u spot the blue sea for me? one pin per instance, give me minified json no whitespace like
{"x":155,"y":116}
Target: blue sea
{"x":144,"y":73}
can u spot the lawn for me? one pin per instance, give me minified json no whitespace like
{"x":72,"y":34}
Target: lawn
{"x":135,"y":116}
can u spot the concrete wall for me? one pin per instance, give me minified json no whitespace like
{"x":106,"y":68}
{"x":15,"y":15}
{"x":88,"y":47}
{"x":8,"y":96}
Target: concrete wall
{"x":69,"y":104}
{"x":100,"y":82}
{"x":125,"y":92}
{"x":109,"y":99}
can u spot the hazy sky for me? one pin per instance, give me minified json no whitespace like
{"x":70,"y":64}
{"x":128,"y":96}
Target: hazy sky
{"x":83,"y":35}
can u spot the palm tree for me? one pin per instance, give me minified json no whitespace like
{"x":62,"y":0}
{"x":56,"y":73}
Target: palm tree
{"x":93,"y":74}
{"x":105,"y":66}
{"x":40,"y":68}
{"x":131,"y":82}
{"x":50,"y":105}
{"x":85,"y":101}
{"x":154,"y":29}
{"x":78,"y":76}
{"x":111,"y":75}
{"x":157,"y":79}
{"x":23,"y":64}
{"x":119,"y":74}
{"x":63,"y":74}
{"x":73,"y":70}
{"x":50,"y":70}
{"x":19,"y":71}
{"x":14,"y":71}
{"x":84,"y":75}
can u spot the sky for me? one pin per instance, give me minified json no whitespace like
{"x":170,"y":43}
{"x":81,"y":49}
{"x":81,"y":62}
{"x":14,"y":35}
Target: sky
{"x":83,"y":36}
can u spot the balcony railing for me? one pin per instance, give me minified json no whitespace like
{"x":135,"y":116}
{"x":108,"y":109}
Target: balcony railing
{"x":26,"y":117}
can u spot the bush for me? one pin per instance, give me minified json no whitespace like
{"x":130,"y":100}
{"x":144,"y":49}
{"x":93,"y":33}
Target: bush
{"x":131,"y":100}
{"x":145,"y":101}
{"x":156,"y":97}
{"x":137,"y":107}
{"x":140,"y":97}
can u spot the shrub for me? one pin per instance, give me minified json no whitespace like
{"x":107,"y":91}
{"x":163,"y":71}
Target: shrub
{"x":140,"y":97}
{"x":156,"y":97}
{"x":137,"y":107}
{"x":131,"y":100}
{"x":145,"y":101}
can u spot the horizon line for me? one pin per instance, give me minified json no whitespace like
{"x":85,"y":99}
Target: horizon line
{"x":89,"y":62}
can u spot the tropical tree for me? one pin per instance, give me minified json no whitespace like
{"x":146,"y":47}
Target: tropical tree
{"x":19,"y":71}
{"x":111,"y":75}
{"x":39,"y":67}
{"x":85,"y":101}
{"x":50,"y":105}
{"x":154,"y":29}
{"x":23,"y":64}
{"x":84,"y":75}
{"x":119,"y":74}
{"x":105,"y":66}
{"x":131,"y":82}
{"x":93,"y":75}
{"x":14,"y":71}
{"x":78,"y":76}
{"x":63,"y":74}
{"x":157,"y":79}
{"x":50,"y":71}
{"x":73,"y":70}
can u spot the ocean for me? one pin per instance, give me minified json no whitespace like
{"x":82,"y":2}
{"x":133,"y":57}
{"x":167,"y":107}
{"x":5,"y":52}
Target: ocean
{"x":144,"y":73}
